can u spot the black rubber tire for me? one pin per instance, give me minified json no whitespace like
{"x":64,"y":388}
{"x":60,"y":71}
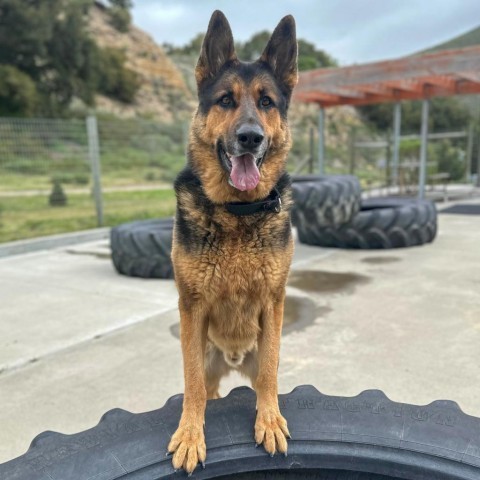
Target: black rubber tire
{"x":143,"y":248}
{"x":364,"y":437}
{"x":326,"y":201}
{"x":381,"y":223}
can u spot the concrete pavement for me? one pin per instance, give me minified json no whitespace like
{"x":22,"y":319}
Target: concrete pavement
{"x":76,"y":339}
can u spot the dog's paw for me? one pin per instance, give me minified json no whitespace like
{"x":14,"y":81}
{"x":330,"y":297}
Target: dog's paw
{"x":271,"y":430}
{"x":188,"y":447}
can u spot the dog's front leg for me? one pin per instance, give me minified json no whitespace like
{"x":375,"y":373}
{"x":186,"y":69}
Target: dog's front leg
{"x":188,"y":442}
{"x":270,"y":426}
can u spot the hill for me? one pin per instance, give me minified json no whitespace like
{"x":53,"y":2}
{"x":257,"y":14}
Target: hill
{"x":472,"y":37}
{"x":62,"y":56}
{"x":467,"y":39}
{"x":163,"y":92}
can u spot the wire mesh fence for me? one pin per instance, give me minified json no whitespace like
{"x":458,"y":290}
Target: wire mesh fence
{"x":44,"y":177}
{"x":139,"y":161}
{"x":35,"y":152}
{"x":46,"y":166}
{"x":369,"y":154}
{"x":46,"y":182}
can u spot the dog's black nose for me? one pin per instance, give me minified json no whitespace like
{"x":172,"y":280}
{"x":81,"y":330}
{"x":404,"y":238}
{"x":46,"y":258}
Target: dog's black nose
{"x":250,"y":136}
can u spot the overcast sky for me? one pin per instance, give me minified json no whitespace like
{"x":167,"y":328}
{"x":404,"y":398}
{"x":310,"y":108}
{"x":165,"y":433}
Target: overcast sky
{"x":352,"y":31}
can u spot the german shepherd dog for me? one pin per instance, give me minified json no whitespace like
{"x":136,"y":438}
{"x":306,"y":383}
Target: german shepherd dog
{"x":232,"y":243}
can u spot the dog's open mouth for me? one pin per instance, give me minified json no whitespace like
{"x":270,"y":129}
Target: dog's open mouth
{"x":244,"y":169}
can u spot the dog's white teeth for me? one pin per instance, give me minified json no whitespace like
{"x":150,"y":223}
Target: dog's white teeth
{"x":230,"y":182}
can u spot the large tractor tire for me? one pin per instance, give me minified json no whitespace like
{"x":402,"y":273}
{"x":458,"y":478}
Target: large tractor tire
{"x":143,"y":248}
{"x":367,"y":437}
{"x":380,"y":223}
{"x":326,"y":201}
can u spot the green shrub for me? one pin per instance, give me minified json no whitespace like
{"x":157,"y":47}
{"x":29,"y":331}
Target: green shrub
{"x":115,"y":80}
{"x":450,"y":159}
{"x":120,"y":18}
{"x":18,"y":94}
{"x":57,"y":198}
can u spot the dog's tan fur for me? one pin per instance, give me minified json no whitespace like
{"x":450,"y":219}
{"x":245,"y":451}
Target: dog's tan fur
{"x":232,"y":284}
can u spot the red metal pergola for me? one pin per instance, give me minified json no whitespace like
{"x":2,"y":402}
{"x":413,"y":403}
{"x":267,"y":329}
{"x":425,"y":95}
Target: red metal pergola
{"x":446,"y":73}
{"x":420,"y":77}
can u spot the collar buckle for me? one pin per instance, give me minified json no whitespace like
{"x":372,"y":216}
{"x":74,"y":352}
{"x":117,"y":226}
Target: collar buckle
{"x":278,"y":206}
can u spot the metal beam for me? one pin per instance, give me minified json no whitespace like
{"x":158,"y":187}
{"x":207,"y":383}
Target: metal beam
{"x":434,"y":136}
{"x":397,"y":119}
{"x":478,"y":166}
{"x":422,"y":174}
{"x":373,"y":144}
{"x":321,"y":140}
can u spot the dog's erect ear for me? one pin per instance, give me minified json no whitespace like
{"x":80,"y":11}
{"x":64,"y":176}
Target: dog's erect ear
{"x":281,"y":52}
{"x":217,"y":48}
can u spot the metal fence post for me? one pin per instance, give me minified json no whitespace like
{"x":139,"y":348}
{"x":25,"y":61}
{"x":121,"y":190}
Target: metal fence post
{"x":478,"y":165}
{"x":312,"y":154}
{"x":388,"y":161}
{"x":352,"y":146}
{"x":469,"y":154}
{"x":94,"y":156}
{"x":423,"y":151}
{"x":397,"y":120}
{"x":321,"y":140}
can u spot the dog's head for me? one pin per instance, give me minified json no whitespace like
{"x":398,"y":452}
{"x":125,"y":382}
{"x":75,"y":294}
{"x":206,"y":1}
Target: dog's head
{"x":240,"y":137}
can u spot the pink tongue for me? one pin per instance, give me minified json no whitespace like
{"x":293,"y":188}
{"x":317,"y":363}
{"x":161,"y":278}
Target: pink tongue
{"x":244,"y":174}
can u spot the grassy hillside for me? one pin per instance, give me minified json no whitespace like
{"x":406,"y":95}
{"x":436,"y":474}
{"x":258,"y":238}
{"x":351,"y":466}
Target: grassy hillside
{"x":467,"y":39}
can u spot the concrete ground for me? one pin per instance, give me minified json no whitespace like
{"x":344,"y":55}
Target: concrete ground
{"x":77,"y":339}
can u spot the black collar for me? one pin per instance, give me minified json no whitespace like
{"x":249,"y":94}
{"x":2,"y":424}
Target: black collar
{"x":272,"y":203}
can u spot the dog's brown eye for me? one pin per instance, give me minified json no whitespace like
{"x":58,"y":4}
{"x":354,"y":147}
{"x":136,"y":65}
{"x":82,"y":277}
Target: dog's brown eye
{"x":266,"y":101}
{"x":226,"y":101}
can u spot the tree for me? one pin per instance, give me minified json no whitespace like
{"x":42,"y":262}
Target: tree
{"x":52,"y":59}
{"x":25,"y":28}
{"x":72,"y":60}
{"x":126,"y":4}
{"x":48,"y":41}
{"x":114,"y":79}
{"x":18,"y":94}
{"x":120,"y":15}
{"x":253,"y":48}
{"x":309,"y":57}
{"x":445,"y":114}
{"x":191,"y":48}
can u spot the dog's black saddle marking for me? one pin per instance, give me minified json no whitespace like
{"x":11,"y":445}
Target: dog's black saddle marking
{"x":272,"y":203}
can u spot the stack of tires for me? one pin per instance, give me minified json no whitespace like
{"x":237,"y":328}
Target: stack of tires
{"x":329,"y":212}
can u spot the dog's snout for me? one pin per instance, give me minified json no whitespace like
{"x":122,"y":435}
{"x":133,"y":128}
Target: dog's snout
{"x":250,"y":136}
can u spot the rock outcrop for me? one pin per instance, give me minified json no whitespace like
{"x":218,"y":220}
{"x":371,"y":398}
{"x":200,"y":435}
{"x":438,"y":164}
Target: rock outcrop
{"x":163,"y":93}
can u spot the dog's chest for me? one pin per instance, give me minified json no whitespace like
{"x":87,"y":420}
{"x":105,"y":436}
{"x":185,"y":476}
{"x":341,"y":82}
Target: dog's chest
{"x":218,"y":255}
{"x":240,"y":262}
